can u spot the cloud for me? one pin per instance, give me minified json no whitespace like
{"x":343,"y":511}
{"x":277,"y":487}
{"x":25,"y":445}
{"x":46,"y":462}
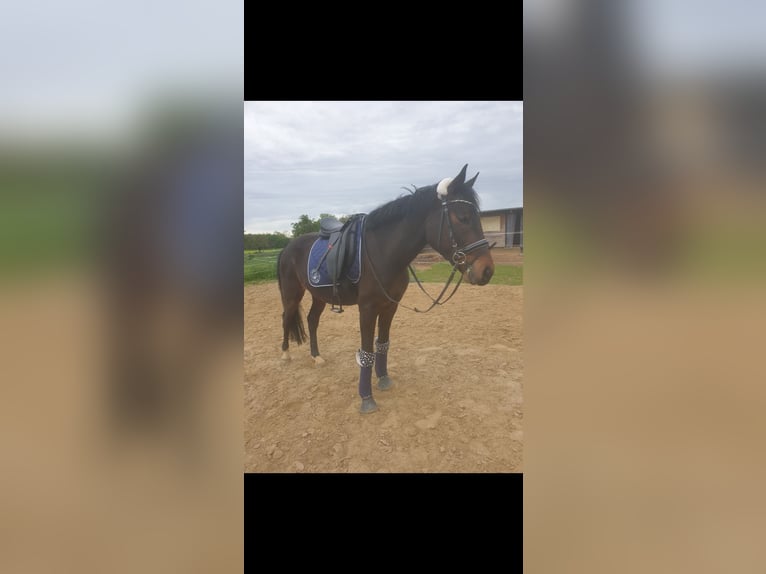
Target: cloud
{"x":349,"y":157}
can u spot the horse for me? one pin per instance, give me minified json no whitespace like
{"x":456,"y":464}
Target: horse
{"x":444,"y":215}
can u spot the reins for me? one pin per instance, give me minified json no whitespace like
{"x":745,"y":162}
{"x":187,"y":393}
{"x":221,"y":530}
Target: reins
{"x":458,"y":258}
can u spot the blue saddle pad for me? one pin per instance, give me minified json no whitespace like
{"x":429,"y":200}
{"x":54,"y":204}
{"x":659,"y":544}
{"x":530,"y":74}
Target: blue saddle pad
{"x":354,"y":271}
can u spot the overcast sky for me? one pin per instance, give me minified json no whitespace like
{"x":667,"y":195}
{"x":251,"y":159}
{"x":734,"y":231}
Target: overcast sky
{"x":350,"y":157}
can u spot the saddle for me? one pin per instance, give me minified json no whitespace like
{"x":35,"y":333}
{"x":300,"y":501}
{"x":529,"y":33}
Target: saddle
{"x":328,"y":226}
{"x":341,"y":249}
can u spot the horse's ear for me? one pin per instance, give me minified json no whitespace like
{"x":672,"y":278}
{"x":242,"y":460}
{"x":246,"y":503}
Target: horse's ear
{"x":459,"y":180}
{"x":471,"y":181}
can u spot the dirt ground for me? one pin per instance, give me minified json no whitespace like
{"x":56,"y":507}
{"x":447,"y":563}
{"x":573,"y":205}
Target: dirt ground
{"x":456,"y":404}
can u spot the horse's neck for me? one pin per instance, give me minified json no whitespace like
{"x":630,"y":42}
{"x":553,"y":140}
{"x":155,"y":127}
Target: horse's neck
{"x":398,"y":245}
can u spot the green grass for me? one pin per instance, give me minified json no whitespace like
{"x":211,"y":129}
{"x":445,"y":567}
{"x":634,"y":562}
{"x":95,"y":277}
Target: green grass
{"x":261,"y":266}
{"x":504,"y":274}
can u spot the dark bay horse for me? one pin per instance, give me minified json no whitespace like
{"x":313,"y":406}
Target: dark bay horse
{"x":444,"y":216}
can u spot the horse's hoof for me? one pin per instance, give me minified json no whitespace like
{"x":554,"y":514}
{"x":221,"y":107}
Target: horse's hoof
{"x":368,"y":406}
{"x":385,"y":383}
{"x":285,"y":356}
{"x":319,"y":361}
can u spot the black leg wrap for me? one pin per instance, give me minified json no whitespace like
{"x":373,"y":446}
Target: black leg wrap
{"x":381,"y":364}
{"x":381,"y":358}
{"x":365,"y":391}
{"x":365,"y":382}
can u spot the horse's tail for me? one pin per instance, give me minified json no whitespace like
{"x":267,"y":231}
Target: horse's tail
{"x":295,"y":327}
{"x":293,"y":323}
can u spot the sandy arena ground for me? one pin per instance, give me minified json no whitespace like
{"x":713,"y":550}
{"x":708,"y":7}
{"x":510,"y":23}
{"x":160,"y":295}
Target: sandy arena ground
{"x":456,"y":404}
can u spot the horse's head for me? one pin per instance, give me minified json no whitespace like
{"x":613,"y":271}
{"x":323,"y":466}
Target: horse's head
{"x":453,"y":228}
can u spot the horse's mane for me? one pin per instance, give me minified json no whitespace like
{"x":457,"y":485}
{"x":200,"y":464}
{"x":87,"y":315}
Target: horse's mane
{"x":418,"y":201}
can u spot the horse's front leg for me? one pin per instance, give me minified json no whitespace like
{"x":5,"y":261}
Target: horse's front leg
{"x":365,"y":357}
{"x":381,"y":346}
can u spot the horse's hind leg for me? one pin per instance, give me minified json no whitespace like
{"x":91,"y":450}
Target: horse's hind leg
{"x":317,"y":306}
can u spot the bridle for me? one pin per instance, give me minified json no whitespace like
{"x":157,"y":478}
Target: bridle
{"x":458,"y":258}
{"x":458,"y":254}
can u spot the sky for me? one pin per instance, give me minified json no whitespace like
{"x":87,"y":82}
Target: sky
{"x":350,"y":157}
{"x":91,"y":66}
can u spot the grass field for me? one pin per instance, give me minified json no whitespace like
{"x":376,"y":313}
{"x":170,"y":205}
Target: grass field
{"x":261,"y":267}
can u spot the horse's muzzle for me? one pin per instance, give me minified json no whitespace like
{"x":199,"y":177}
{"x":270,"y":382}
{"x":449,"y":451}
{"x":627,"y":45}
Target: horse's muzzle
{"x":480,"y":271}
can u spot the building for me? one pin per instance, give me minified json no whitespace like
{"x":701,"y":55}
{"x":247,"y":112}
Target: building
{"x":504,"y":226}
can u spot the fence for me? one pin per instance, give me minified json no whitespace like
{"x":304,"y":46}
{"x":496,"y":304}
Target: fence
{"x":506,"y":238}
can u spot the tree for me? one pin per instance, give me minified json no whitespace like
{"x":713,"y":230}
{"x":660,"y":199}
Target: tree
{"x":262,"y":241}
{"x":342,"y":218}
{"x":305,"y":225}
{"x":278,"y":240}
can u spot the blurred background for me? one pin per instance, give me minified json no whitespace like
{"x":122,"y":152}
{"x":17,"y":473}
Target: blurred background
{"x":120,"y":286}
{"x":645,"y":141}
{"x":120,"y":282}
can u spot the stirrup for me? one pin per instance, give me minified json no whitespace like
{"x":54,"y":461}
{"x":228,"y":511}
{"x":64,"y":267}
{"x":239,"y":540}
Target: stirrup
{"x":335,"y":296}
